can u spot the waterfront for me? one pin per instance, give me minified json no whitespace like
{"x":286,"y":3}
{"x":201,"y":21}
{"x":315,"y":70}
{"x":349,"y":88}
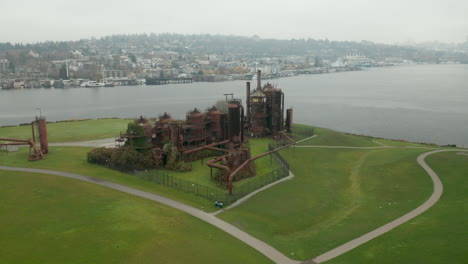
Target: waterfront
{"x":423,"y":103}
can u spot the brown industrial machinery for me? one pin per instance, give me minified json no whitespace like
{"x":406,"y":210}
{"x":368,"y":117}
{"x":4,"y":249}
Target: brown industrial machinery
{"x":289,"y":120}
{"x":236,"y":122}
{"x":265,"y":109}
{"x":42,"y":129}
{"x":146,"y":126}
{"x":223,"y":132}
{"x":240,"y":167}
{"x":162,"y":131}
{"x":214,"y":129}
{"x":194,"y":129}
{"x":35,"y":153}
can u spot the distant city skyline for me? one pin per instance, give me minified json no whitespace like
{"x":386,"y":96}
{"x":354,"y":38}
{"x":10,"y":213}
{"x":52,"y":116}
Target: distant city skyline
{"x":385,"y":21}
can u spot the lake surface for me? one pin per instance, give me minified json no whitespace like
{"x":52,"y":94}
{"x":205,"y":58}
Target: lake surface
{"x":422,"y":103}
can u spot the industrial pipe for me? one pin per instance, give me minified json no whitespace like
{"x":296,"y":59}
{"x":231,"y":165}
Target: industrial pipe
{"x":30,"y":142}
{"x":250,"y":160}
{"x":212,"y":164}
{"x":206,"y":146}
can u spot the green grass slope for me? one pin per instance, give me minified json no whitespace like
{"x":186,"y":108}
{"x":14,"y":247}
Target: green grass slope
{"x":336,"y":195}
{"x":438,"y":235}
{"x":73,"y":130}
{"x":73,"y":159}
{"x":328,"y":137}
{"x":49,"y":219}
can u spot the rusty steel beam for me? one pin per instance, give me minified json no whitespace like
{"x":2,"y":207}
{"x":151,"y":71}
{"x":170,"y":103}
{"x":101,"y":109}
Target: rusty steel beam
{"x":204,"y":147}
{"x":212,"y":164}
{"x":283,"y":132}
{"x":218,"y":158}
{"x":252,"y":159}
{"x":33,"y":134}
{"x":30,"y":142}
{"x":15,"y":140}
{"x":15,"y":144}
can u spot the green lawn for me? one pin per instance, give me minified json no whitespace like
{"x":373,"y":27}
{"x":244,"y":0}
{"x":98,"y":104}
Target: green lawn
{"x":327,"y":137}
{"x":73,"y":159}
{"x":336,"y":195}
{"x":400,"y":143}
{"x":73,"y":130}
{"x":438,"y":235}
{"x":49,"y":219}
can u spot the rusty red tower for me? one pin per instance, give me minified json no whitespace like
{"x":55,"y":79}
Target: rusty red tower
{"x":42,"y":129}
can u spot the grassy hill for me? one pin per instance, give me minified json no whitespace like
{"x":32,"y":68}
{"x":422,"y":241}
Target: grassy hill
{"x":49,"y":219}
{"x":72,"y":130}
{"x":335,"y":196}
{"x":438,"y":235}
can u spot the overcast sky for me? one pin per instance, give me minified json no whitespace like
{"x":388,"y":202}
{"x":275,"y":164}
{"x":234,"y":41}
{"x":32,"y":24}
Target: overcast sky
{"x":385,"y":21}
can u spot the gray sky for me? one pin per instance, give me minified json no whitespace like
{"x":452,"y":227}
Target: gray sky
{"x":385,"y":21}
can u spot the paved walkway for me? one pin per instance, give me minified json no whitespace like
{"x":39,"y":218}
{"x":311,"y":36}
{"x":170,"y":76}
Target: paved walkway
{"x":257,"y":244}
{"x":108,"y":142}
{"x":306,"y":139}
{"x":248,"y":196}
{"x":348,"y":147}
{"x":438,"y":189}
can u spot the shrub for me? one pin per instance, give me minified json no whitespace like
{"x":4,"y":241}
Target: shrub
{"x":121,"y":159}
{"x":101,"y":156}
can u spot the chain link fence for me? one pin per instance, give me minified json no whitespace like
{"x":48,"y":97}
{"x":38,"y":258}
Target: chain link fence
{"x":217,"y":194}
{"x":302,"y":132}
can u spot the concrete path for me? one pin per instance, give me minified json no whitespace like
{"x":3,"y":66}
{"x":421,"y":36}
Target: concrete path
{"x":257,"y":244}
{"x":379,"y":143}
{"x":438,"y":189}
{"x":108,"y":142}
{"x":248,"y":196}
{"x":306,"y":139}
{"x":340,"y":147}
{"x":348,"y":147}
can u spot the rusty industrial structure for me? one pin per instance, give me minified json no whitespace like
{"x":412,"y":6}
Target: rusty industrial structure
{"x":35,"y":152}
{"x":218,"y":132}
{"x":265,"y":110}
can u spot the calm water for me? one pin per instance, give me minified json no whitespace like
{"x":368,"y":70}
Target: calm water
{"x":423,"y":103}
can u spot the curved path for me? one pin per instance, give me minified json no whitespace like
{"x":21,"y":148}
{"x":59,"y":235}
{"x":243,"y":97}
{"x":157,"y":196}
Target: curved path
{"x":259,"y":245}
{"x":248,"y":196}
{"x":438,"y":189}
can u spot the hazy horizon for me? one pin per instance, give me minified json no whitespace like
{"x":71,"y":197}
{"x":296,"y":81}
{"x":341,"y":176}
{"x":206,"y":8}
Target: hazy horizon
{"x":383,"y":21}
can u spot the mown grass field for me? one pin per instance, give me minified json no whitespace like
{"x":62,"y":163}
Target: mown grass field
{"x":49,"y":219}
{"x":328,"y":137}
{"x":438,"y":235}
{"x":72,"y":130}
{"x":73,"y":159}
{"x":336,"y":195}
{"x":399,"y":143}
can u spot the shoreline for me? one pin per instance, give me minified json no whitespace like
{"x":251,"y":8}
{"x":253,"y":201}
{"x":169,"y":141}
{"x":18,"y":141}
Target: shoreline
{"x":348,"y":133}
